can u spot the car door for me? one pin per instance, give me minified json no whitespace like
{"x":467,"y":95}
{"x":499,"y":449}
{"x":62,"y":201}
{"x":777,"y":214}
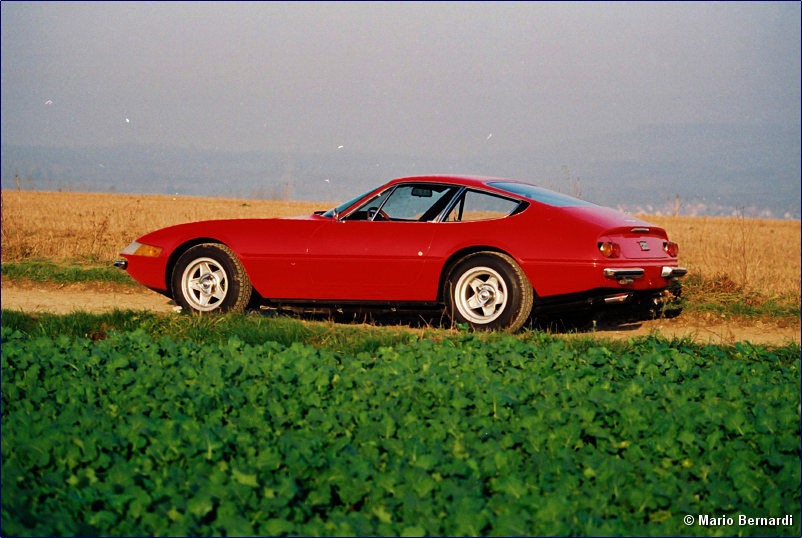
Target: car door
{"x":379,"y":251}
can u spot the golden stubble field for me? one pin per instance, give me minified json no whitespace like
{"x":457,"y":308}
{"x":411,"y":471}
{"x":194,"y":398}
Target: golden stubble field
{"x":57,"y":225}
{"x":763,"y":256}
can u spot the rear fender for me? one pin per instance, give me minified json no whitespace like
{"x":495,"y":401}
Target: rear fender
{"x":455,"y":258}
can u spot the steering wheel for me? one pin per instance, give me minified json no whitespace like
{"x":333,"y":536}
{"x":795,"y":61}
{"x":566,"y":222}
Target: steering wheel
{"x":374,"y":214}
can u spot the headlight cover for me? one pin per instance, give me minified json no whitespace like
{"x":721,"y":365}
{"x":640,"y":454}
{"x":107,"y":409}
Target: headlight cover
{"x":139,"y":249}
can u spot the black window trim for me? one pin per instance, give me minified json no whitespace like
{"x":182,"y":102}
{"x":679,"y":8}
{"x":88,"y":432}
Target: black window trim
{"x":344,"y":217}
{"x":522,"y":204}
{"x":459,"y":190}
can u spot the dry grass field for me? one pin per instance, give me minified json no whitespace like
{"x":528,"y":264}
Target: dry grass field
{"x":96,"y":226}
{"x":760,"y":256}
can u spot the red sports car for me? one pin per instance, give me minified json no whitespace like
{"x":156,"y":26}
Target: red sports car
{"x":487,"y":250}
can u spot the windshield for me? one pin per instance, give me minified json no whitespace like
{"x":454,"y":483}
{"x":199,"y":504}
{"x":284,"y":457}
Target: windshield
{"x":345,"y":205}
{"x":539,"y":194}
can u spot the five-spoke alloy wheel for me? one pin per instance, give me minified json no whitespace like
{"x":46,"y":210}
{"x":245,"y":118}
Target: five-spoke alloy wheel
{"x":209,"y":277}
{"x":488,"y":290}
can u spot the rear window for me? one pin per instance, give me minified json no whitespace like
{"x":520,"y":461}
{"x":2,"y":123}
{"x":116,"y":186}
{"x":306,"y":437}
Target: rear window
{"x":539,"y":194}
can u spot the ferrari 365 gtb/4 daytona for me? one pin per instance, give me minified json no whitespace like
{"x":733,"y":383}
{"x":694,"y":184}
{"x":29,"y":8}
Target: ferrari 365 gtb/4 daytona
{"x":486,"y":250}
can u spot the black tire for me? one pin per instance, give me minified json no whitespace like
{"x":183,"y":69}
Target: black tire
{"x":488,"y":290}
{"x":209,"y":278}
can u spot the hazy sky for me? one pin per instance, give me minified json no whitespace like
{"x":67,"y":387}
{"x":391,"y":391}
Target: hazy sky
{"x":396,"y":77}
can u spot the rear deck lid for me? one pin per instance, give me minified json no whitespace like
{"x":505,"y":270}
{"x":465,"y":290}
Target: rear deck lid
{"x":638,"y":242}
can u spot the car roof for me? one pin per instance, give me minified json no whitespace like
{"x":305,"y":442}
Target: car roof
{"x":467,"y":180}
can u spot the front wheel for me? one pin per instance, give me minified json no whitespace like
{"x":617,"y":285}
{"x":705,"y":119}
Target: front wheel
{"x":209,"y":277}
{"x":488,"y":290}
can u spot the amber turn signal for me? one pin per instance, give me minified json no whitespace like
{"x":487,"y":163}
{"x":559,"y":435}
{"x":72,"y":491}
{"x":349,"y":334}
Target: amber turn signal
{"x":139,"y":249}
{"x":609,"y":249}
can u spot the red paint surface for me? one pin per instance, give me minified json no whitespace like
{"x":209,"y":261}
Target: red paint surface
{"x":319,"y":258}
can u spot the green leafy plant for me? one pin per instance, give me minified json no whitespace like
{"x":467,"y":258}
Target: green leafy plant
{"x":136,"y":434}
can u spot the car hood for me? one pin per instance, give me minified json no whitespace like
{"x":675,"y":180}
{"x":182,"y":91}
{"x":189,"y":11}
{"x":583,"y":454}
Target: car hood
{"x":224,"y":229}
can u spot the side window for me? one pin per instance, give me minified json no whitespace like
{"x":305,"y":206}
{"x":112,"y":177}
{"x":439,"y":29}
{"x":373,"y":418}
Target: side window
{"x":369,"y":208}
{"x":419,"y":202}
{"x":474,"y":205}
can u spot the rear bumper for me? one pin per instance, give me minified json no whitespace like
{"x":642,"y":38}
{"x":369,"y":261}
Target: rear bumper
{"x":627,"y":275}
{"x":673,"y":272}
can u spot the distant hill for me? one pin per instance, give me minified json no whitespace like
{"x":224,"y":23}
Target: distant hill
{"x":702,"y":169}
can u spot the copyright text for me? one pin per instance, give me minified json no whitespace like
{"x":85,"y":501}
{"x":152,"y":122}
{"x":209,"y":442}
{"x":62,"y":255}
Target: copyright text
{"x":741,"y":520}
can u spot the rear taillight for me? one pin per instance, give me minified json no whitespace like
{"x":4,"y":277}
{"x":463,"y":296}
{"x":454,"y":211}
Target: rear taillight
{"x":671,"y":248}
{"x":609,"y":249}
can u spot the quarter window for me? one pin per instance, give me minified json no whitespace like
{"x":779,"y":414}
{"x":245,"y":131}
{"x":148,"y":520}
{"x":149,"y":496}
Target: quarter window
{"x":474,"y":205}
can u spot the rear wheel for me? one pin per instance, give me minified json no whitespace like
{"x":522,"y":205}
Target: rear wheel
{"x":210,"y":278}
{"x":488,"y":290}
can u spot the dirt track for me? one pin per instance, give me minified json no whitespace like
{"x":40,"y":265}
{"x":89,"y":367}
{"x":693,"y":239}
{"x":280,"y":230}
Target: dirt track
{"x":62,"y":299}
